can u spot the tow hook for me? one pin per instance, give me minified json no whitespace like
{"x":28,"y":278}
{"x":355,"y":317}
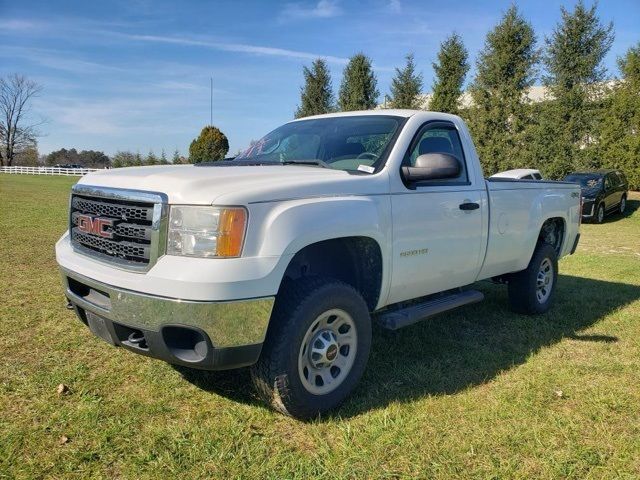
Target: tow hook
{"x":136,"y":339}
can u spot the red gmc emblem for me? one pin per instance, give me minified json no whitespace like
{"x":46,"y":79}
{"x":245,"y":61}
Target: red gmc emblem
{"x":95,"y":226}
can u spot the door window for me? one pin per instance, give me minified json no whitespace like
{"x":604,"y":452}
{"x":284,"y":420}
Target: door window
{"x":617,"y":181}
{"x":438,"y":137}
{"x":607,"y":182}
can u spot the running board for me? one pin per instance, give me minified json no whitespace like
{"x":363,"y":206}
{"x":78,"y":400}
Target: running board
{"x":415,"y":313}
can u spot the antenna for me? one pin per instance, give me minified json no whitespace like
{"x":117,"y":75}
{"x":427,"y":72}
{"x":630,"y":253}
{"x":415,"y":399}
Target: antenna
{"x":211,"y":108}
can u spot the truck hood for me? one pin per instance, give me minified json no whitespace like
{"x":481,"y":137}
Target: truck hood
{"x":235,"y":185}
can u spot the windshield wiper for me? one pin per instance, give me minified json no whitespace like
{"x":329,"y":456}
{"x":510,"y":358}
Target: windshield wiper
{"x":319,"y":163}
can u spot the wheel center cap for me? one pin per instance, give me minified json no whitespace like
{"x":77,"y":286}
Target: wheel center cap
{"x":332,"y":351}
{"x":324,"y":349}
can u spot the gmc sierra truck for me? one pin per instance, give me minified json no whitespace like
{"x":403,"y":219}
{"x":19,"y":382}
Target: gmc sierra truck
{"x":281,"y":258}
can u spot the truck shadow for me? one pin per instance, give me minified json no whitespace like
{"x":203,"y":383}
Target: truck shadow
{"x":462,"y":349}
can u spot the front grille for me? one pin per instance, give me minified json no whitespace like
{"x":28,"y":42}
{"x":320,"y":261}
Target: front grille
{"x":131,"y":229}
{"x":113,"y":210}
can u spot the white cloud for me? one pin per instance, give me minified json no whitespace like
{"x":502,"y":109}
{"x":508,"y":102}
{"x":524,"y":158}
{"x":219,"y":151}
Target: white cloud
{"x":18,"y":25}
{"x":395,"y":6}
{"x":185,"y":86}
{"x":55,"y":59}
{"x":109,"y":116}
{"x":322,"y":9}
{"x":233,"y":47}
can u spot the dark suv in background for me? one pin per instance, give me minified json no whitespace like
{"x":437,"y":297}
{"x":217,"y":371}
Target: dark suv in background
{"x":603,"y":192}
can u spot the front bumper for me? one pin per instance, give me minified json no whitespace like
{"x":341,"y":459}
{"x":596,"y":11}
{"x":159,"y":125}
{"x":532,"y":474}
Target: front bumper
{"x":200,"y":334}
{"x":588,"y":208}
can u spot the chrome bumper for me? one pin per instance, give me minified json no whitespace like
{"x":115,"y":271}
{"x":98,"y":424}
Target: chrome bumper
{"x":234,"y":323}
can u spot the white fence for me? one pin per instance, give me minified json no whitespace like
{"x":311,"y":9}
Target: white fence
{"x":47,"y":171}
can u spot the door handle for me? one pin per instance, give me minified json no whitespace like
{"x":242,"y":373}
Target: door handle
{"x":469,"y":206}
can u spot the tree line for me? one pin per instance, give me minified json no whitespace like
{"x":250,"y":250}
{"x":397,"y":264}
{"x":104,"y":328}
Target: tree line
{"x":583,"y":121}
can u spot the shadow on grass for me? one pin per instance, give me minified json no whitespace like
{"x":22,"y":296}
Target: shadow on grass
{"x":464,"y":348}
{"x":232,"y":384}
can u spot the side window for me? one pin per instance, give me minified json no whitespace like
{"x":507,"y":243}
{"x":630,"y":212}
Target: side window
{"x":622,"y":178}
{"x":617,"y":179}
{"x":527,"y":177}
{"x":607,"y":182}
{"x":537,"y":176}
{"x":438,"y":137}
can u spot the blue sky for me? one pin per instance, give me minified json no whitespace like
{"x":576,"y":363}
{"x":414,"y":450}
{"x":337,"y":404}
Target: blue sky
{"x":134,"y":74}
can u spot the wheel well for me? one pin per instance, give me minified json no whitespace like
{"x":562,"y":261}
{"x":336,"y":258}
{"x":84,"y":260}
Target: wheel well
{"x":552,"y":232}
{"x":353,"y":260}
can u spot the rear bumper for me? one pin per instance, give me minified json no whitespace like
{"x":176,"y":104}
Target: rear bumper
{"x":199,"y":334}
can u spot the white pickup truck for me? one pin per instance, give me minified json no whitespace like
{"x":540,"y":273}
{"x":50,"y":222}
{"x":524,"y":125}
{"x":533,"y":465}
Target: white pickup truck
{"x":282,"y":257}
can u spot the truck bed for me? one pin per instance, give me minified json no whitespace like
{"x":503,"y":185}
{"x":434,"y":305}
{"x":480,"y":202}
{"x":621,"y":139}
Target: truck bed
{"x":515,"y":218}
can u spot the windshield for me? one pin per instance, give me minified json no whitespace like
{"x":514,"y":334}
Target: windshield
{"x":585,"y":180}
{"x":343,"y":143}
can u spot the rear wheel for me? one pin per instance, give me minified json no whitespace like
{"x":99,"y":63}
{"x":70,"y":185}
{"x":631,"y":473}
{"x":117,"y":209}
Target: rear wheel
{"x":623,"y":204}
{"x":316,"y":349}
{"x":531,"y":291}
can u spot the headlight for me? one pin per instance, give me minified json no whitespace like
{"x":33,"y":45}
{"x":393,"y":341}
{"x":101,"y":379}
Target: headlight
{"x":206,"y":231}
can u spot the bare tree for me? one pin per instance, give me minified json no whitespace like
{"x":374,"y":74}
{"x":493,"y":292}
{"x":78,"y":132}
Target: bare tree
{"x":17,"y":130}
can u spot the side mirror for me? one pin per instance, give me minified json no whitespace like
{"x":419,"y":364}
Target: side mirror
{"x":432,"y":166}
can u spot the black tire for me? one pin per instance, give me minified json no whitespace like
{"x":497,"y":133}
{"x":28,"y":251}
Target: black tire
{"x":298,"y":305}
{"x":523,"y":286}
{"x":600,"y":214}
{"x":623,"y":205}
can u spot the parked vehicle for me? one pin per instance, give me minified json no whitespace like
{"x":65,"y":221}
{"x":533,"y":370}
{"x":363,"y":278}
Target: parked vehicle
{"x":68,"y":166}
{"x":280,"y":258}
{"x":603,"y":192}
{"x":519,"y":174}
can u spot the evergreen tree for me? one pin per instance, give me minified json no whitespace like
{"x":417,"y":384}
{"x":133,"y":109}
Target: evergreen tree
{"x":210,"y":145}
{"x":620,"y":138}
{"x":176,"y":157}
{"x":163,"y":158}
{"x":316,"y":96}
{"x":505,"y":70}
{"x":450,"y":71}
{"x":151,"y":158}
{"x":137,"y":160}
{"x":358,"y":90}
{"x":573,"y":60}
{"x":406,"y":86}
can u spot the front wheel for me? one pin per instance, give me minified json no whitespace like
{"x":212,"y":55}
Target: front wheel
{"x":316,"y":349}
{"x":531,"y":291}
{"x":600,"y":213}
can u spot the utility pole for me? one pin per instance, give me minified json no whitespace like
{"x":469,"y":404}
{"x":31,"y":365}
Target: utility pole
{"x":211,"y":106}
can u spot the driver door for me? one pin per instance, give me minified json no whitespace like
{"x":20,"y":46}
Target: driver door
{"x":436,"y":244}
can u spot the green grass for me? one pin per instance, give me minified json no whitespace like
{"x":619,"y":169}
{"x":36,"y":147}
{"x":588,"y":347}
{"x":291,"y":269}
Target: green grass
{"x":470,"y":394}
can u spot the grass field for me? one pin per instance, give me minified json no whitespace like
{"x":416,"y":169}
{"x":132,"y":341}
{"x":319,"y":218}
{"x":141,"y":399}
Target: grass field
{"x":477,"y":393}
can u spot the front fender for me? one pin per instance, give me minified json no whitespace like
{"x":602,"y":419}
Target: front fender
{"x":285,"y":228}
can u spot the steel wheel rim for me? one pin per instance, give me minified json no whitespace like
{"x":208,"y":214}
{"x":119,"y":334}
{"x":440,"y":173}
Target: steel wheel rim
{"x":600,"y":214}
{"x":321,"y":367}
{"x":544,"y":281}
{"x":623,"y":205}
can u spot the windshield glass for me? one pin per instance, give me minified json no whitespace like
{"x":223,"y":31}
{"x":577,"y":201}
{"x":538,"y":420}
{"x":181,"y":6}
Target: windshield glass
{"x":343,"y":143}
{"x":586,"y":180}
